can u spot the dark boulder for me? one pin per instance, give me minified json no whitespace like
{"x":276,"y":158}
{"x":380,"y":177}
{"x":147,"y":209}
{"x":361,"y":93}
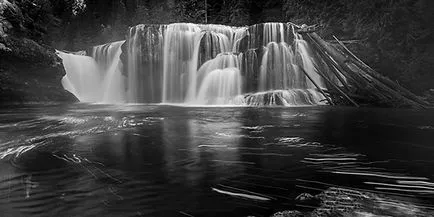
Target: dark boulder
{"x":29,"y":72}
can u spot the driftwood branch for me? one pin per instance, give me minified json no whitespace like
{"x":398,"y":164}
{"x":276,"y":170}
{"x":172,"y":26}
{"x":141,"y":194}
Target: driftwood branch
{"x":354,"y":41}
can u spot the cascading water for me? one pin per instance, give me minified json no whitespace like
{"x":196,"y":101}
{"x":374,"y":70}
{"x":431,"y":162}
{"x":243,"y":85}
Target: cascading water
{"x":145,"y":64}
{"x":181,"y":52}
{"x":110,"y":69}
{"x":220,"y":87}
{"x":278,"y":70}
{"x":220,"y":80}
{"x":96,"y":78}
{"x":82,"y":77}
{"x":307,"y":62}
{"x":264,"y":64}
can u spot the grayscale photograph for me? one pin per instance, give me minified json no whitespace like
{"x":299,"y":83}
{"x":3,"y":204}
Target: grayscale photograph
{"x":216,"y":108}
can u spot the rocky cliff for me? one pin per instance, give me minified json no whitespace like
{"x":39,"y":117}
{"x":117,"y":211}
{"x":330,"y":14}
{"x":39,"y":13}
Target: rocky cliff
{"x":30,"y":71}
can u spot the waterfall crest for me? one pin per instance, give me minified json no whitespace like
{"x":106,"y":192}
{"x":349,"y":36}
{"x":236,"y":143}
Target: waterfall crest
{"x":263,"y":64}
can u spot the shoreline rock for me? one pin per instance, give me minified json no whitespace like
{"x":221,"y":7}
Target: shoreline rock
{"x":29,"y":72}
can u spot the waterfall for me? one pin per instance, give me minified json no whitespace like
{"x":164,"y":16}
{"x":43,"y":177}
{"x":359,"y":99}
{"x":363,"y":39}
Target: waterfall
{"x":220,"y":87}
{"x":278,"y":70}
{"x":201,"y":64}
{"x":145,"y":64}
{"x":110,"y":69}
{"x":220,"y":80}
{"x":96,"y":78}
{"x":307,"y":61}
{"x":181,"y":52}
{"x":82,"y":78}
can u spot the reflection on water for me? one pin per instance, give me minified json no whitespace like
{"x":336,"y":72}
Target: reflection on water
{"x":138,"y":160}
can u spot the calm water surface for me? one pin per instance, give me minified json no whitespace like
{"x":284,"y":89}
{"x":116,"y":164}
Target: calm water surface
{"x":154,"y":160}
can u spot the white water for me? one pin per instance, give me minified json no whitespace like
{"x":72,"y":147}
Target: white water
{"x":307,"y":61}
{"x":278,"y":69}
{"x":220,"y":87}
{"x":134,"y":52}
{"x":220,"y":81}
{"x":199,"y":64}
{"x":110,"y":69}
{"x":181,"y":52}
{"x":290,"y":97}
{"x":95,"y":78}
{"x":144,"y":63}
{"x":82,"y":77}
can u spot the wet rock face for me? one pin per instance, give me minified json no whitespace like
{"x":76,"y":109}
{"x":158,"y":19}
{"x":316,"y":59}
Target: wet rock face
{"x":29,"y":72}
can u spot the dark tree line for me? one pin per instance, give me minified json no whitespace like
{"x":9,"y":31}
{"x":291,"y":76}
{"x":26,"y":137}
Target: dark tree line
{"x":107,"y":20}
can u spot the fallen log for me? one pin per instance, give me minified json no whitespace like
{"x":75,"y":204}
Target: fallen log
{"x":334,"y":86}
{"x":347,"y":41}
{"x":360,"y":78}
{"x":378,"y":76}
{"x":355,"y":75}
{"x":335,"y":70}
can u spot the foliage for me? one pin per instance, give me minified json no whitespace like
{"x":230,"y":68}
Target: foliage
{"x":78,"y":6}
{"x":153,"y":14}
{"x":396,"y":35}
{"x":191,"y":11}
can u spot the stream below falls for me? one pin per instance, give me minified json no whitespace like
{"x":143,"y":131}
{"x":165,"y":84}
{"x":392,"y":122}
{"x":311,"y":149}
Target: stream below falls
{"x":162,"y":160}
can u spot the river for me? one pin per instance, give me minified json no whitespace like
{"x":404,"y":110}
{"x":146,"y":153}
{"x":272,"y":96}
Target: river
{"x":164,"y":160}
